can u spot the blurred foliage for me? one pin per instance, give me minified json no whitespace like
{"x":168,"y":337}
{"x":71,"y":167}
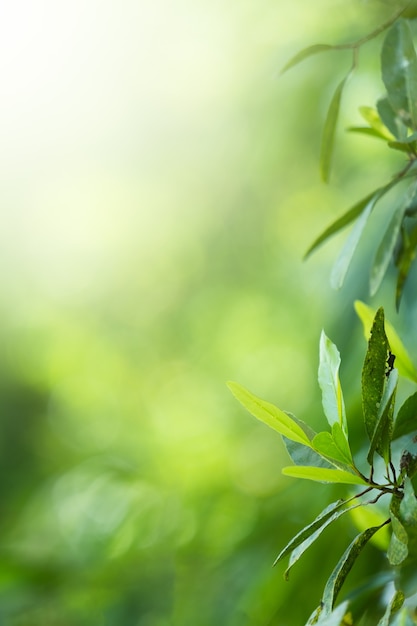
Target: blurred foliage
{"x":159,"y":189}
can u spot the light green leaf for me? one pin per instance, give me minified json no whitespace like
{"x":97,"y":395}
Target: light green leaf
{"x":402,"y":361}
{"x":328,"y":376}
{"x":342,"y":569}
{"x":269,"y":414}
{"x":390,"y":119}
{"x":327,"y":142}
{"x":394,"y":605}
{"x":406,"y":421}
{"x":365,"y":130}
{"x":385,"y":251}
{"x":323,"y":475}
{"x":304,"y":54}
{"x":399,"y":71}
{"x":338,"y":452}
{"x":373,"y":118}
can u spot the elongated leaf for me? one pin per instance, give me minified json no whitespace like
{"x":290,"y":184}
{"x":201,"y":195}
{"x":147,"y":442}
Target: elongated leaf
{"x":398,"y":547}
{"x":402,"y":146}
{"x":394,"y":605}
{"x":385,"y":251}
{"x":297,"y":552}
{"x":304,"y":54}
{"x":342,"y":569}
{"x":390,"y":119}
{"x":399,"y":71}
{"x":309,"y":530}
{"x":323,"y":475}
{"x":402,"y":361}
{"x":327,"y":142}
{"x":302,"y":455}
{"x":373,"y":373}
{"x":328,"y":376}
{"x":381,"y":439}
{"x":335,"y":618}
{"x":408,"y":506}
{"x":404,"y":262}
{"x":403,"y":618}
{"x":343,"y":221}
{"x":269,"y":414}
{"x":325,"y":444}
{"x":406,"y":421}
{"x":373,"y":118}
{"x":366,"y":130}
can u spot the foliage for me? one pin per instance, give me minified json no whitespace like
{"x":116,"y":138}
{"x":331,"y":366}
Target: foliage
{"x":383,"y":476}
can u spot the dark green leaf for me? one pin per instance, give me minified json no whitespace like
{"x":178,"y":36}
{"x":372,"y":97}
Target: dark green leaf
{"x":406,"y":421}
{"x":302,"y":455}
{"x":381,"y":439}
{"x":386,"y":248}
{"x":323,"y":475}
{"x":304,"y":54}
{"x":399,"y":71}
{"x":390,"y":119}
{"x":373,"y":373}
{"x":408,"y":506}
{"x":403,"y":146}
{"x":342,"y":569}
{"x":327,"y":142}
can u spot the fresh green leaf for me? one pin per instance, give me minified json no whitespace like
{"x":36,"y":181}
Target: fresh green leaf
{"x":386,"y":248}
{"x":328,"y":376}
{"x":373,"y":373}
{"x":382,"y":436}
{"x":402,"y":361}
{"x":323,"y":475}
{"x":365,"y":130}
{"x":390,"y":119}
{"x":304,"y":54}
{"x":338,"y":451}
{"x":403,"y":146}
{"x":399,"y":71}
{"x":342,"y":569}
{"x":269,"y":414}
{"x":373,"y":118}
{"x":393,"y":606}
{"x":406,"y":421}
{"x":327,"y":142}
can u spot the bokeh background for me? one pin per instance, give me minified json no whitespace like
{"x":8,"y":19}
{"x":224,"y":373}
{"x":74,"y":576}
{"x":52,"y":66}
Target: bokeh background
{"x":159,"y":187}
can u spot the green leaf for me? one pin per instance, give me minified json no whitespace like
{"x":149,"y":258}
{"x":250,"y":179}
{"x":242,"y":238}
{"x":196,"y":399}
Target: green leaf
{"x":406,"y":421}
{"x":386,"y":248}
{"x":408,"y":506}
{"x":327,"y":142}
{"x":323,"y":475}
{"x":390,"y":119}
{"x":335,"y":618}
{"x":404,"y":261}
{"x":365,"y":130}
{"x":302,"y":455}
{"x":269,"y":414}
{"x":402,"y":361}
{"x":373,"y":372}
{"x":403,"y":618}
{"x":399,"y":71}
{"x":299,"y":550}
{"x":403,"y":146}
{"x":342,"y":569}
{"x":381,"y":439}
{"x":335,"y":449}
{"x":328,"y":376}
{"x":398,"y":547}
{"x":373,"y":118}
{"x":394,"y":605}
{"x":304,"y":54}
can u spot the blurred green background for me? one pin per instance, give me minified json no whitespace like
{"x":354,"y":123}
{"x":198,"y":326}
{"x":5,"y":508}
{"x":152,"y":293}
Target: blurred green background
{"x":159,"y":186}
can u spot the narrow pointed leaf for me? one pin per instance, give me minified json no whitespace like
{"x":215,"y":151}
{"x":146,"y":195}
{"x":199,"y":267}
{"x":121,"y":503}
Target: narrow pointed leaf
{"x":390,"y":119}
{"x":404,"y":262}
{"x":303,"y":455}
{"x":385,"y":251}
{"x":406,"y":421}
{"x":269,"y":414}
{"x":399,"y":71}
{"x":373,"y":373}
{"x":373,"y":118}
{"x":304,"y":54}
{"x":327,"y":142}
{"x":323,"y":475}
{"x":342,"y":569}
{"x":366,"y":130}
{"x":381,"y":439}
{"x":328,"y":376}
{"x":402,"y":361}
{"x":394,"y":605}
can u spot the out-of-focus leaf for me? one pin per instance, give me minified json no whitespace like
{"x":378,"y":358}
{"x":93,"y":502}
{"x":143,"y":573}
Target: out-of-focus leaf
{"x":386,"y":248}
{"x":342,"y":569}
{"x":327,"y":142}
{"x":402,"y":361}
{"x":302,"y":455}
{"x":304,"y":54}
{"x":373,"y":373}
{"x":403,"y":618}
{"x":328,"y":377}
{"x":406,"y":421}
{"x":323,"y":475}
{"x":399,"y":71}
{"x":298,"y":551}
{"x":269,"y":414}
{"x":394,"y":605}
{"x":390,"y":119}
{"x":335,"y":618}
{"x":403,"y":146}
{"x":366,"y":516}
{"x":373,"y":118}
{"x":365,"y":130}
{"x":381,"y":439}
{"x":404,"y":262}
